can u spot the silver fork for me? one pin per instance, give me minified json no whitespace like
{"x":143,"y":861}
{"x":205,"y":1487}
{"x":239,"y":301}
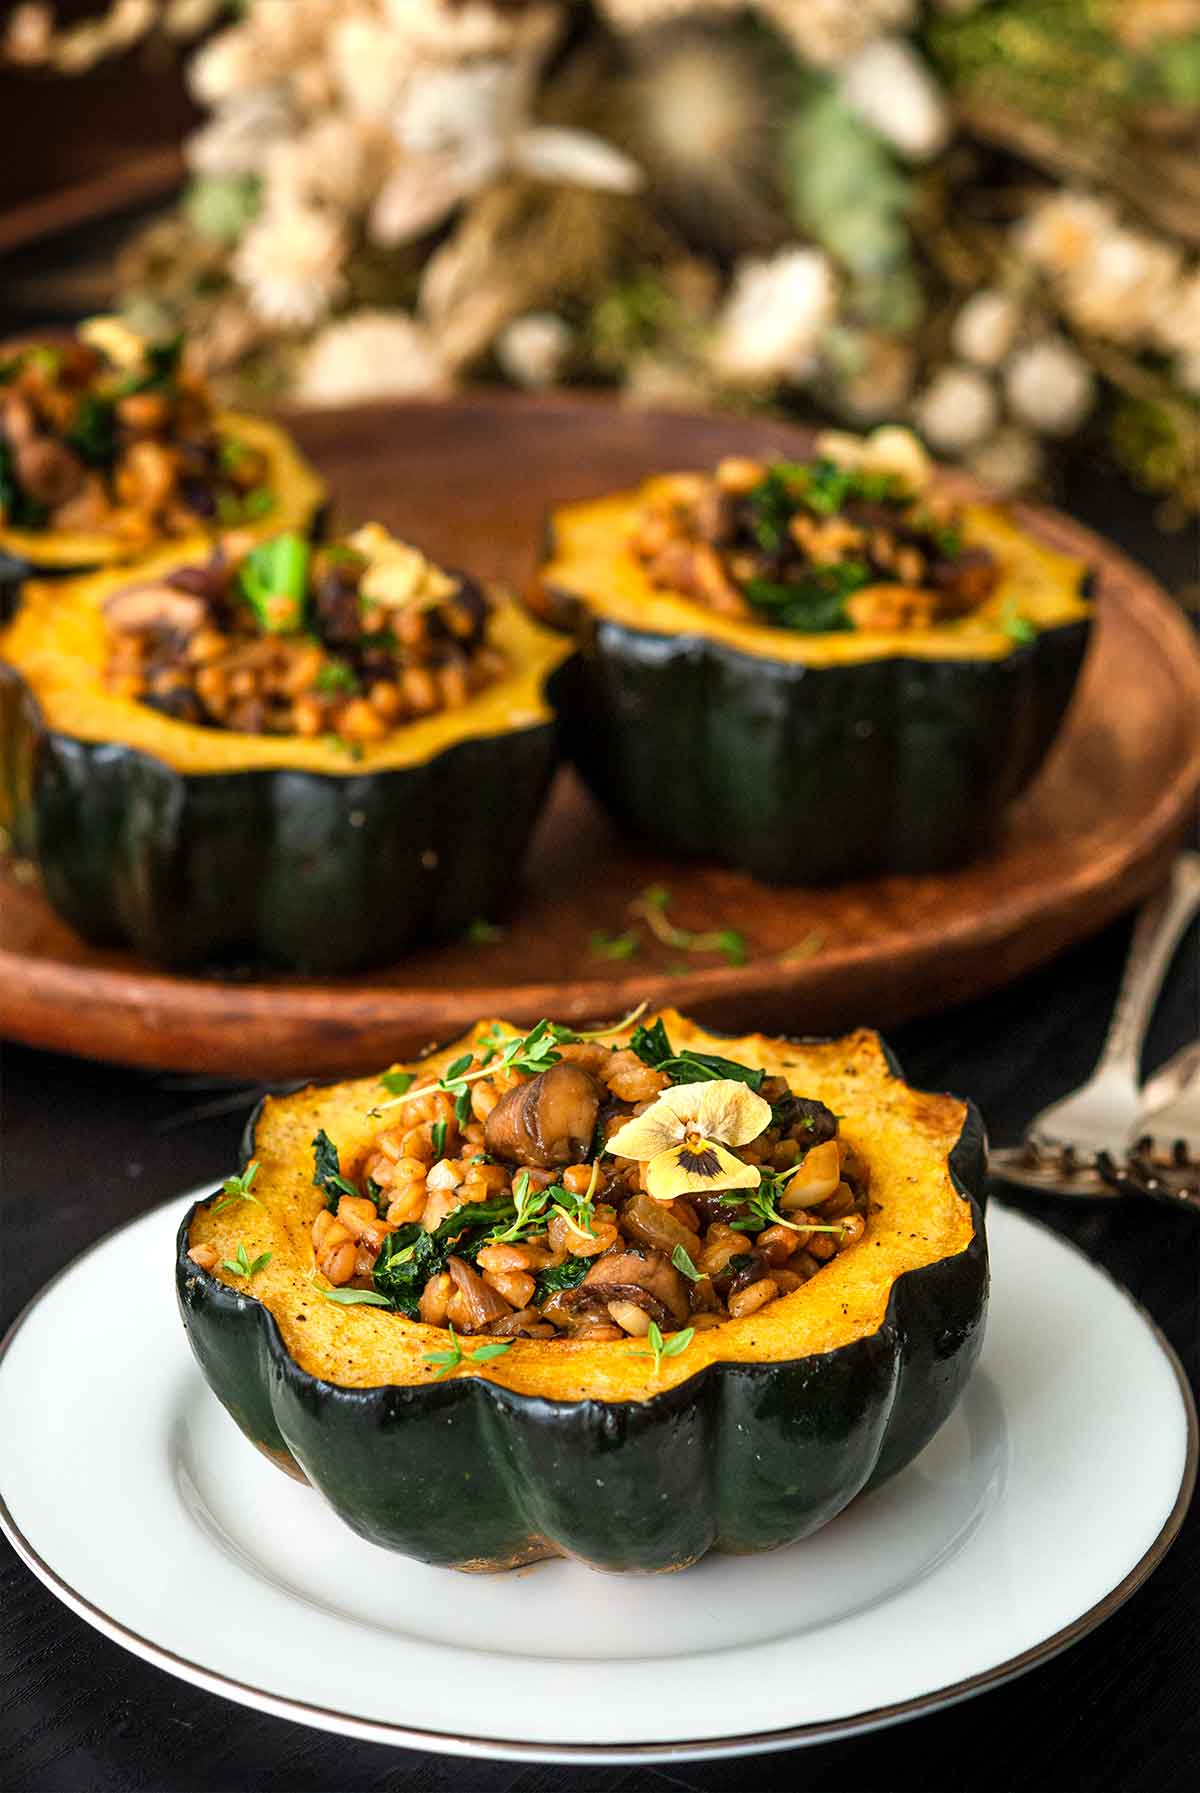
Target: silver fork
{"x":1074,"y":1146}
{"x":1164,"y":1159}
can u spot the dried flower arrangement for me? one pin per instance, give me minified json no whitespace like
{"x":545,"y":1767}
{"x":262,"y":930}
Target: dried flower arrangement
{"x":981,"y":218}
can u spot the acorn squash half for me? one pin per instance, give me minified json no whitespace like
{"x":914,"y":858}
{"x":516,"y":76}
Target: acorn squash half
{"x":763,"y":1429}
{"x":300,"y":499}
{"x":200,"y":845}
{"x":807,"y":758}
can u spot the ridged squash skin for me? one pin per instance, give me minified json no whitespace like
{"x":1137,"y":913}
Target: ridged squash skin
{"x":300,"y":505}
{"x":198,"y":846}
{"x":807,"y":759}
{"x":757,"y":1435}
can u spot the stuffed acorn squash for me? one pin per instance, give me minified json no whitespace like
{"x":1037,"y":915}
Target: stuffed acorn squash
{"x":812,"y":671}
{"x":624,"y":1295}
{"x":109,"y":447}
{"x":297,"y":756}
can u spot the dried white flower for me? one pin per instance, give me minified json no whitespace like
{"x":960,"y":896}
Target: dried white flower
{"x":337,"y":161}
{"x":772,"y":322}
{"x":454,"y":32}
{"x":532,"y":349}
{"x":890,"y":87}
{"x":986,"y":327}
{"x":1049,"y":386}
{"x":1009,"y":460}
{"x":574,"y":158}
{"x":290,"y":262}
{"x":458,"y":127}
{"x":369,"y":62}
{"x":226,"y":65}
{"x":372,"y":355}
{"x":957,"y":409}
{"x":1061,"y":233}
{"x":241,"y":132}
{"x":1177,"y":321}
{"x":1127,"y":283}
{"x":827,"y":32}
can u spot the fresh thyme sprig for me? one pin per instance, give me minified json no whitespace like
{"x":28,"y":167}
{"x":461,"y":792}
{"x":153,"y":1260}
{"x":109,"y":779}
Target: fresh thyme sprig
{"x":353,"y":1297}
{"x":681,"y":1257}
{"x":241,"y":1265}
{"x":532,"y":1052}
{"x":448,"y":1361}
{"x":764,"y":1210}
{"x":237,"y":1189}
{"x":661,"y":1347}
{"x":651,"y":907}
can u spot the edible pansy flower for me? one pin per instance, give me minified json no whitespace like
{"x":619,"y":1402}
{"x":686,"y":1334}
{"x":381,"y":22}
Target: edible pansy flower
{"x":683,"y":1138}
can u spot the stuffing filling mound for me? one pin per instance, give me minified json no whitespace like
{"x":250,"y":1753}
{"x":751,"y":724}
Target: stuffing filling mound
{"x":554,"y":1186}
{"x":852,"y":540}
{"x":347,"y":641}
{"x":107,"y":434}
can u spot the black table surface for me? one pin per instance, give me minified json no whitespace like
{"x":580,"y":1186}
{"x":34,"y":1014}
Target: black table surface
{"x":87,"y":1147}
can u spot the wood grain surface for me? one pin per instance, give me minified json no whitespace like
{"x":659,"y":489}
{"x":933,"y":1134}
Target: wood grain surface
{"x":470,"y":481}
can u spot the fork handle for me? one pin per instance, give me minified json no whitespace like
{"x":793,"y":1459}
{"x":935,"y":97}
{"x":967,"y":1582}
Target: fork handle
{"x":1160,"y":926}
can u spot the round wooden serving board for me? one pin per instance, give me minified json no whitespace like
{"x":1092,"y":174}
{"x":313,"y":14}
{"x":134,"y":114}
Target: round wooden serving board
{"x":470,"y":481}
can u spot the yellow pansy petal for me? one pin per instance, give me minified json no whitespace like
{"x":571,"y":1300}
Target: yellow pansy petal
{"x":731,"y":1112}
{"x":697,"y":1168}
{"x":646,"y":1135}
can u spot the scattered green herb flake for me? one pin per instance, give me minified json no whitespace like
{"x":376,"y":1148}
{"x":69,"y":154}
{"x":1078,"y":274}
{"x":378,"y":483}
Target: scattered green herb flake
{"x":661,"y":1347}
{"x":438,"y":1138}
{"x":483,"y":933}
{"x":241,"y":1265}
{"x":354,"y":1297}
{"x":274,"y":582}
{"x":446,"y":1361}
{"x":258,"y":502}
{"x":657,"y":896}
{"x":338,"y":744}
{"x":613,"y":946}
{"x":336,"y":676}
{"x":732,"y":945}
{"x":397,"y":1083}
{"x":1017,"y":627}
{"x":238,"y":1189}
{"x":459,"y":1066}
{"x":682,"y":1260}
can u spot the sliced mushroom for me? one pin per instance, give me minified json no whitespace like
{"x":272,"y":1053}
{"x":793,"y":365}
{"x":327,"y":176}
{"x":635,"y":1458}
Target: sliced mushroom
{"x":139,"y":609}
{"x":48,"y":471}
{"x":646,"y":1278}
{"x":806,"y":1118}
{"x":547,"y":1122}
{"x":482,"y":1303}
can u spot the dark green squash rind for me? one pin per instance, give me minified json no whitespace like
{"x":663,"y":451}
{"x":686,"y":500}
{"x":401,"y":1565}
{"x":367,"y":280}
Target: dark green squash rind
{"x":741,"y":1457}
{"x":291,"y":868}
{"x":805,"y":774}
{"x":808,"y":775}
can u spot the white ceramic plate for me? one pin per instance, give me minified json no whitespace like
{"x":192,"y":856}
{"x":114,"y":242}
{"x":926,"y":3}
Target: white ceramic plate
{"x":989,"y":1554}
